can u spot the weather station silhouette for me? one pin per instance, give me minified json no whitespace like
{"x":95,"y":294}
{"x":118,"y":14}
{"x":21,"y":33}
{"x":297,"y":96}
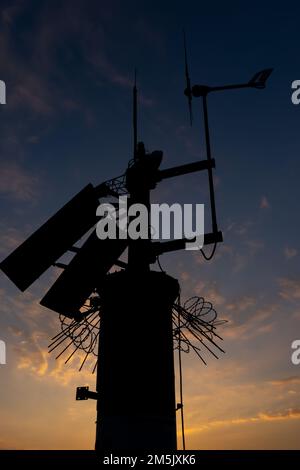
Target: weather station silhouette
{"x":131,"y":320}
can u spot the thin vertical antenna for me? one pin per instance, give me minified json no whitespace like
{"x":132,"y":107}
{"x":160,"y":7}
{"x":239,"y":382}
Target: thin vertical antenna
{"x":188,"y":90}
{"x":134,"y":118}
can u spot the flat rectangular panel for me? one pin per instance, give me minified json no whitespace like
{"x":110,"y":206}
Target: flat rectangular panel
{"x":83,"y":275}
{"x":24,"y":265}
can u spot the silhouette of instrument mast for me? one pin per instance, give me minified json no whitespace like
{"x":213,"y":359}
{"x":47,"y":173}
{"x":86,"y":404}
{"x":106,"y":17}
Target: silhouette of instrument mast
{"x":108,"y":314}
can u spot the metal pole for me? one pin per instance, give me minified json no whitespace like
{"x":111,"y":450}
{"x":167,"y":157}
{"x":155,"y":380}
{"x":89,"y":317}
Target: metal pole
{"x":135,"y":118}
{"x":210,"y":174}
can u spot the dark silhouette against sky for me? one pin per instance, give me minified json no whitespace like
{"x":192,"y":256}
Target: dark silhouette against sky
{"x":69,"y":70}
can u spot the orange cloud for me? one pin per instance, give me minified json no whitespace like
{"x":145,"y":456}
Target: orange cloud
{"x":32,"y":356}
{"x":295,"y":379}
{"x":260,"y":322}
{"x":289,"y":288}
{"x":260,"y":417}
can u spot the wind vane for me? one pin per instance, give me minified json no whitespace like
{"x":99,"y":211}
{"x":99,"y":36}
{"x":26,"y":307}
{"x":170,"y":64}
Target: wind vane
{"x":132,"y":319}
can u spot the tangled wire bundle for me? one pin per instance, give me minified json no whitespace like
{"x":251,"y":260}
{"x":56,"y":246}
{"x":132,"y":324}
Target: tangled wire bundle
{"x":195,"y":322}
{"x":194,"y":328}
{"x":83,"y":334}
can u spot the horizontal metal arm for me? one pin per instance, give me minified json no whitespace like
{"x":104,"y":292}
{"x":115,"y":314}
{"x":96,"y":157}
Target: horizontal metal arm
{"x":184,"y":169}
{"x":83,"y":393}
{"x":231,"y":87}
{"x":158,"y":248}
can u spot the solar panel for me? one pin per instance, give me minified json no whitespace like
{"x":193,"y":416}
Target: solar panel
{"x":24,"y":265}
{"x":83,"y":275}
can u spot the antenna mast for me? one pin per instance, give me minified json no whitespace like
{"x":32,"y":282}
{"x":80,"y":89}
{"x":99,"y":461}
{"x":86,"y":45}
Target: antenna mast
{"x":134,"y":117}
{"x":188,"y":81}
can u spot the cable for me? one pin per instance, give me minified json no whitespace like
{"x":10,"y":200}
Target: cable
{"x":158,"y":262}
{"x":208,"y":258}
{"x":180,"y":379}
{"x":194,"y":322}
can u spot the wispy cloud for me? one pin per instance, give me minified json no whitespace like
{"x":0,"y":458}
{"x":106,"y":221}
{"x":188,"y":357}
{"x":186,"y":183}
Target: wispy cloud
{"x":289,"y":288}
{"x":33,"y":94}
{"x":212,"y":293}
{"x":287,"y":414}
{"x":10,"y":238}
{"x":240,"y":305}
{"x":113,"y":74}
{"x":260,"y":321}
{"x":241,"y":228}
{"x":109,"y":70}
{"x":264,"y":203}
{"x":290,"y":253}
{"x":16,"y":182}
{"x":30,"y":327}
{"x":295,"y":379}
{"x":36,"y":361}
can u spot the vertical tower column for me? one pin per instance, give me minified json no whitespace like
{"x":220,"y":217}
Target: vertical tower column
{"x":135,"y":382}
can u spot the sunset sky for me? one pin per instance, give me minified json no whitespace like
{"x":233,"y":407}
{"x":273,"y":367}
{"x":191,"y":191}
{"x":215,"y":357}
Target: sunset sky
{"x":68,"y":68}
